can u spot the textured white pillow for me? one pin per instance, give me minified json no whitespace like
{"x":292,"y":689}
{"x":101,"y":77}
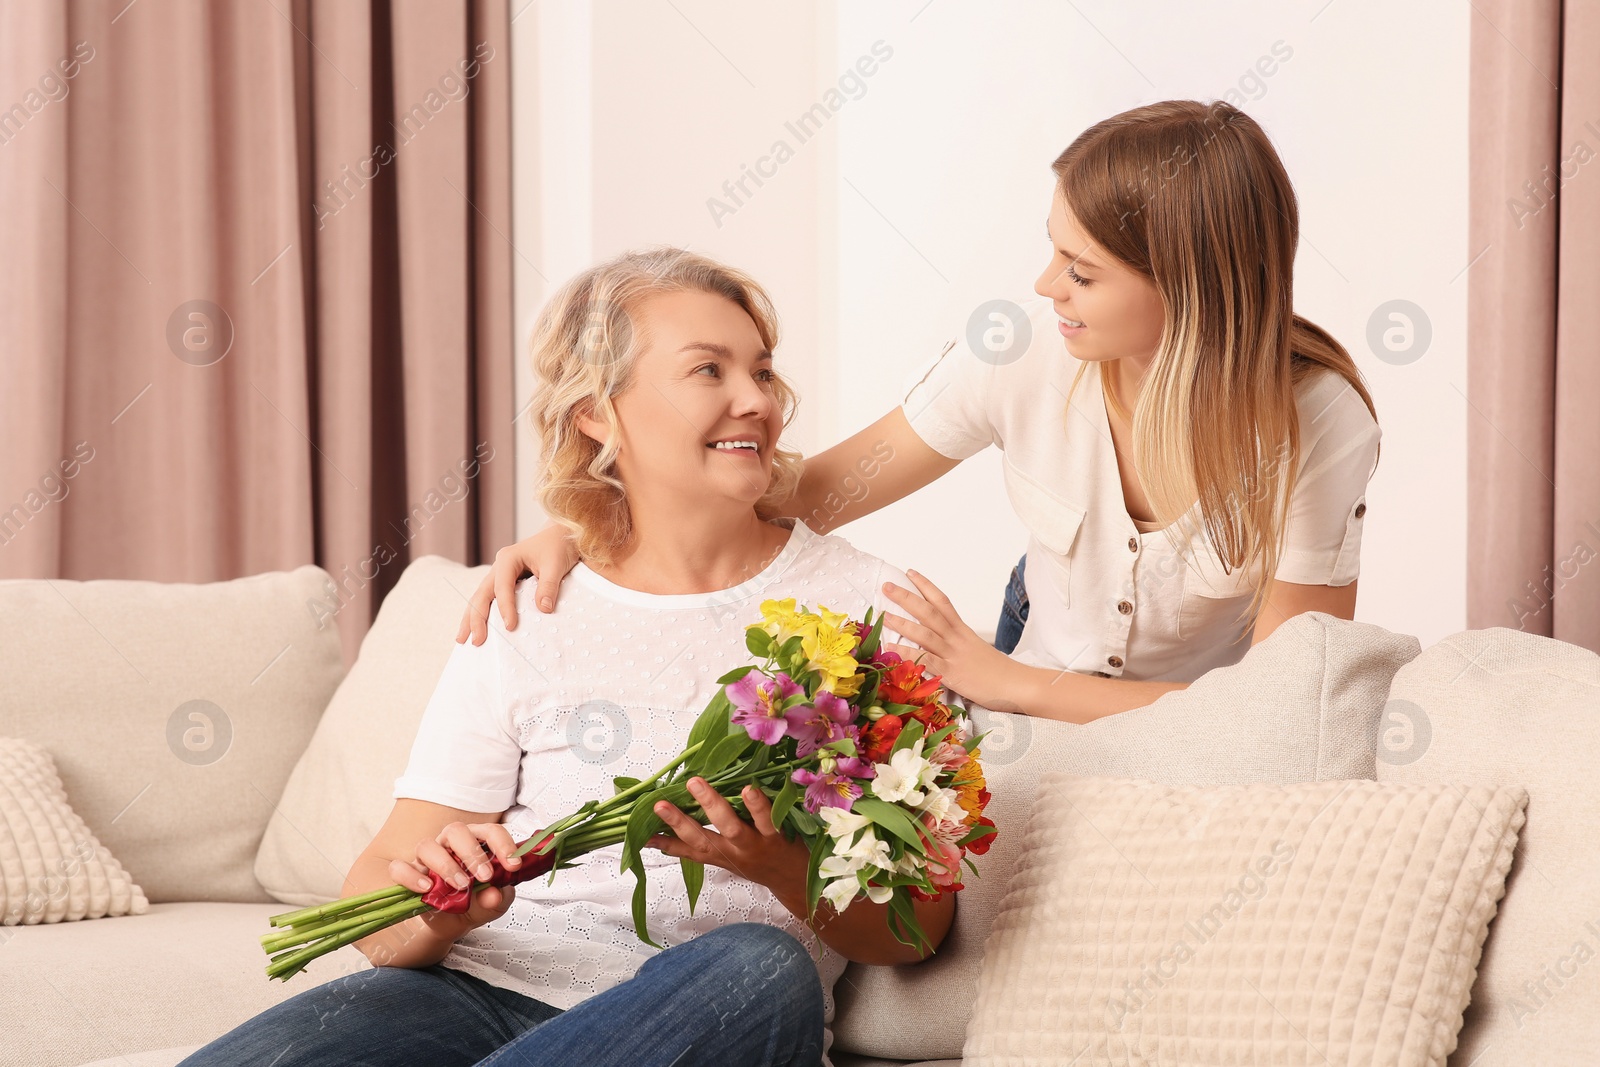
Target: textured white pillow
{"x":1313,"y":923}
{"x":51,"y":867}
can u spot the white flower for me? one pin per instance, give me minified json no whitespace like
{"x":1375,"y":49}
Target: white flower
{"x":879,"y":894}
{"x":842,"y":823}
{"x":841,"y":892}
{"x":901,"y":779}
{"x":940,"y":803}
{"x":845,"y":861}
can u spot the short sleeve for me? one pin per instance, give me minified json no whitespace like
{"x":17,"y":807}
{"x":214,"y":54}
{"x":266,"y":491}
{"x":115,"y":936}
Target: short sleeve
{"x":1322,"y":539}
{"x":948,"y":402}
{"x":464,"y":755}
{"x":881,"y":603}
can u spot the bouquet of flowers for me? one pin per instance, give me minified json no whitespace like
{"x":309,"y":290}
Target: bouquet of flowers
{"x":849,"y":742}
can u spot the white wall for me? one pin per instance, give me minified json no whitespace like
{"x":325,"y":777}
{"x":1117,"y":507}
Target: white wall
{"x":924,"y":194}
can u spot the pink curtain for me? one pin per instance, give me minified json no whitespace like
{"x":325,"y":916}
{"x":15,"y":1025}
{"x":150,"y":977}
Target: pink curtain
{"x":1533,"y":539}
{"x":257,"y":290}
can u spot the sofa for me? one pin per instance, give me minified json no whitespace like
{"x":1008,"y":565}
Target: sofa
{"x":212,"y":741}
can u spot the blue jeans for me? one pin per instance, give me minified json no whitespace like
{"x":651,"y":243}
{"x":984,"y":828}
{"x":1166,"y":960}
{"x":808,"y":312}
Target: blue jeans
{"x":745,"y":993}
{"x":1013,"y":612}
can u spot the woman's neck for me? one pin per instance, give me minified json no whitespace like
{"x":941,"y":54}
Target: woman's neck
{"x":693,"y":553}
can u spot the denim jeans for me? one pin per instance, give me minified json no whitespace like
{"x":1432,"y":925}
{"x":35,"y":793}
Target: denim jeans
{"x":1013,"y":612}
{"x":745,"y":993}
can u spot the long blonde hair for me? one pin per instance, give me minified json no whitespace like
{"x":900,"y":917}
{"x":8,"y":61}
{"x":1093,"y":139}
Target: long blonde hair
{"x":585,"y":345}
{"x":1194,"y":197}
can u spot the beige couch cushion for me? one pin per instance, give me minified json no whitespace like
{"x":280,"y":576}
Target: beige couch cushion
{"x":1501,"y":707}
{"x":174,"y":712}
{"x":1322,"y":922}
{"x":52,"y":869}
{"x":1301,"y":706}
{"x":342,"y":788}
{"x":181,"y":974}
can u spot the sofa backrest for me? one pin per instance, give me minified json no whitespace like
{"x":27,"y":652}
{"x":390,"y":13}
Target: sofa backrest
{"x":174,"y":712}
{"x":342,"y":788}
{"x":1497,"y":707}
{"x":1302,"y":706}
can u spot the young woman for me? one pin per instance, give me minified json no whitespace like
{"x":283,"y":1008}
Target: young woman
{"x":1207,"y":482}
{"x":660,"y":411}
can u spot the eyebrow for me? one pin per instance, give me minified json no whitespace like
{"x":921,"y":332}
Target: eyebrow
{"x":721,"y":351}
{"x":1091,"y":264}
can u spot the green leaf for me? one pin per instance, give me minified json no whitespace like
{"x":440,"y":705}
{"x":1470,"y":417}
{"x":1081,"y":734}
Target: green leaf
{"x":893,"y":818}
{"x":641,"y":911}
{"x":712,"y":724}
{"x":694,"y":876}
{"x":819,"y":850}
{"x":869,"y":644}
{"x":643,"y":822}
{"x":790,"y":650}
{"x":759,"y":642}
{"x":725,"y":751}
{"x":804,"y":822}
{"x":845,"y":745}
{"x":785,"y":801}
{"x":623,"y":783}
{"x":735,"y":674}
{"x":910,"y":734}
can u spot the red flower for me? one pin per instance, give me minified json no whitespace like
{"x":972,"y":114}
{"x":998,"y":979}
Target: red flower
{"x":903,"y":684}
{"x":880,"y":737}
{"x":981,"y":845}
{"x":447,"y":898}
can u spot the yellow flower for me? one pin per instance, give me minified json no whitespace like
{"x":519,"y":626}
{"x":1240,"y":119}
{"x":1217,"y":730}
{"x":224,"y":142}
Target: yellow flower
{"x":828,"y":651}
{"x":845,"y":688}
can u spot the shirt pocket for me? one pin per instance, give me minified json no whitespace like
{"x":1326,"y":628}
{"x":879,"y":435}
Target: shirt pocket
{"x":1054,"y":524}
{"x":1213,"y":601}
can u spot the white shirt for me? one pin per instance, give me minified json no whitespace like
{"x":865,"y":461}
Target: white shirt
{"x":1107,"y":595}
{"x":536,"y":721}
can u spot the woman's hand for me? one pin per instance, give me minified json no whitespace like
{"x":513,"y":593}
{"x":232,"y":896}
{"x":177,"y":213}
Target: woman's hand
{"x":457,"y":856}
{"x":548,"y":555}
{"x":969,"y":665}
{"x":756,"y":851}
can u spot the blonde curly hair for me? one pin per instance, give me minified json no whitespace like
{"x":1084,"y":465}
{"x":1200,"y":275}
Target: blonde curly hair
{"x":585,"y":345}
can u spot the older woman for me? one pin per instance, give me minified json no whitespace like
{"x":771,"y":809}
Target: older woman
{"x":659,"y":411}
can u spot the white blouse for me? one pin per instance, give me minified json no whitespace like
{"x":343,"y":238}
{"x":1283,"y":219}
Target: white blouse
{"x":1108,"y":595}
{"x":538,"y":720}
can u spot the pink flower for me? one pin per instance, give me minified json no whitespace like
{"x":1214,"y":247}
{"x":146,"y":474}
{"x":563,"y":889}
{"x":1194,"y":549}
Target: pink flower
{"x":820,"y":723}
{"x":757,"y":702}
{"x":827,"y":789}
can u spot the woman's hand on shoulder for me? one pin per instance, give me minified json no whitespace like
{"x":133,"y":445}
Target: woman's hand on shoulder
{"x":548,"y":555}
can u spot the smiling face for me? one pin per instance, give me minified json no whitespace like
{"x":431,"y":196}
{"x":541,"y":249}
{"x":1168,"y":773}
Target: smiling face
{"x":1119,"y":308}
{"x":699,"y":420}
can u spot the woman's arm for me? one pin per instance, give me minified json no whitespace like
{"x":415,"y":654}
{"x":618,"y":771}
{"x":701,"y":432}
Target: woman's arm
{"x":393,"y":859}
{"x":865,"y":472}
{"x":987,"y":676}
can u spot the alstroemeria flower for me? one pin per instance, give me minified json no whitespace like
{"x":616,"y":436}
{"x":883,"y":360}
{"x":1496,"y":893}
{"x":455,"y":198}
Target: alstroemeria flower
{"x":826,"y":789}
{"x":903,"y":778}
{"x":903,"y":684}
{"x":819,"y":723}
{"x":758,"y":705}
{"x":842,"y":822}
{"x":880,"y":737}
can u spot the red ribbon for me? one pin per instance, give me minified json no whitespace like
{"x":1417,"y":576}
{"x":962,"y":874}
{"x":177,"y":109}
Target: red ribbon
{"x":447,"y":898}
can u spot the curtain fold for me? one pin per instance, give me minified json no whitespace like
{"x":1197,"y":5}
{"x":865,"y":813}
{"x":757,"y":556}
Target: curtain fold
{"x":1533,"y":505}
{"x":257,"y":295}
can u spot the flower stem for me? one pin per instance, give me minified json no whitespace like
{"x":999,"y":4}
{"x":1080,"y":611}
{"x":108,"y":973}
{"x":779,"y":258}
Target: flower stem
{"x":335,"y":907}
{"x":290,"y":964}
{"x":388,"y":912}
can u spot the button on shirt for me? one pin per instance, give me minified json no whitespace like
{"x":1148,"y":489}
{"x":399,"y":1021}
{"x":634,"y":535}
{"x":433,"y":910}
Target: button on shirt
{"x":1107,"y":594}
